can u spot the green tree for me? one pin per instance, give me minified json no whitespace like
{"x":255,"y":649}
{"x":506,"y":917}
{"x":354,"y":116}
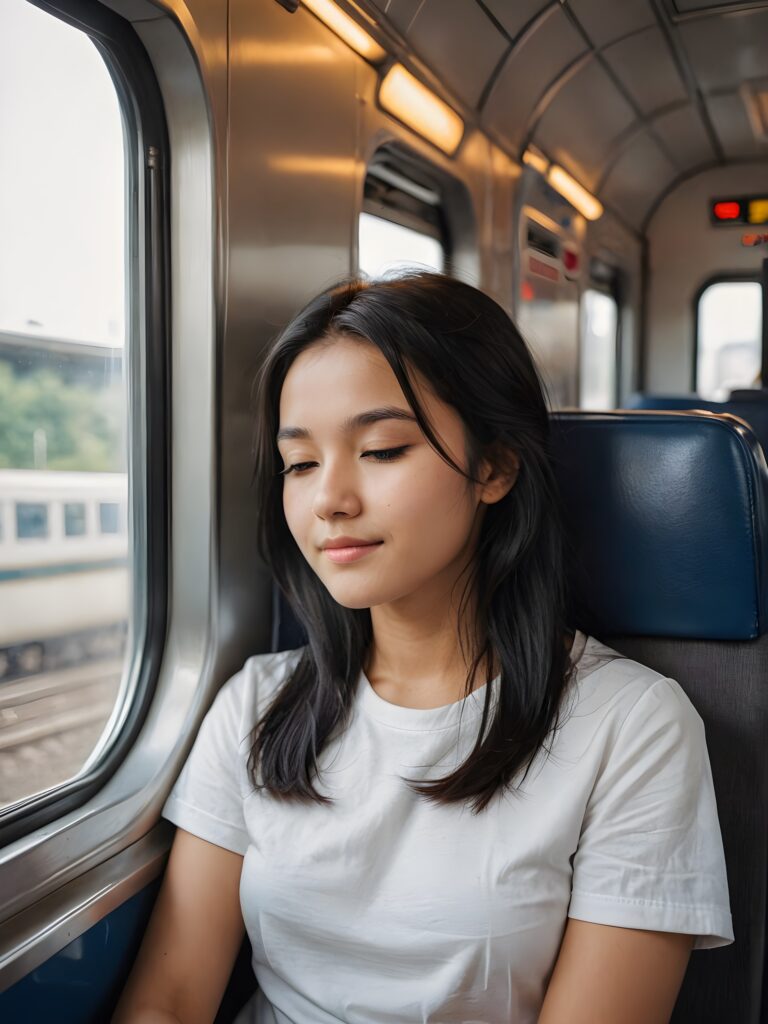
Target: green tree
{"x":82,"y":427}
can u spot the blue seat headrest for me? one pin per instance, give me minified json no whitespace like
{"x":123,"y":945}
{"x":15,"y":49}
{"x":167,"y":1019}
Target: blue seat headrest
{"x":749,"y":395}
{"x":667,"y":514}
{"x":748,"y":406}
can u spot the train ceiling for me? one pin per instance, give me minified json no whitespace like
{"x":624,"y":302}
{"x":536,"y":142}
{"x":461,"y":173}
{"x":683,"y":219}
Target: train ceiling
{"x":628,"y":95}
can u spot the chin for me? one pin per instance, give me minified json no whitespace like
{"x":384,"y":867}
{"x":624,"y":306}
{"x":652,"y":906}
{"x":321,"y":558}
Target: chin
{"x":360,"y":595}
{"x":353,"y":597}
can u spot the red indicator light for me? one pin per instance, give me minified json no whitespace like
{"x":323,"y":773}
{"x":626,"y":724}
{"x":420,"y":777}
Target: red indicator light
{"x":727,"y":211}
{"x":570,"y":260}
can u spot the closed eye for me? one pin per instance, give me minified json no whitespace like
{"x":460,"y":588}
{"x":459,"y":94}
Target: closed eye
{"x":297,"y":467}
{"x":387,"y":454}
{"x":379,"y":455}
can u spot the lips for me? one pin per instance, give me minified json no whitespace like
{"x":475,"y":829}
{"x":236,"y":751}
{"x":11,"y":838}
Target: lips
{"x":349,"y":549}
{"x":348,"y":542}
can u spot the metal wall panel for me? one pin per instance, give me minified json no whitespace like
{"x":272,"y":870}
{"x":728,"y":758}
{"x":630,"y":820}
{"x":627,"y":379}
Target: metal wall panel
{"x":683,"y":134}
{"x":727,"y":50}
{"x":608,"y":20}
{"x":686,"y":6}
{"x":626,"y":187}
{"x":730,"y":120}
{"x":457,"y":37}
{"x":580,"y":125}
{"x":534,"y":64}
{"x":644,"y":66}
{"x":515,"y":16}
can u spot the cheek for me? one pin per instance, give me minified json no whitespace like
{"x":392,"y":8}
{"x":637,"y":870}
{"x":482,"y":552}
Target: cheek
{"x":295,"y":511}
{"x":433,"y":506}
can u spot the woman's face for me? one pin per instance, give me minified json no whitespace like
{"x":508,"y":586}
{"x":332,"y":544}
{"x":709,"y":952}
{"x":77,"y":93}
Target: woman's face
{"x":361,"y":470}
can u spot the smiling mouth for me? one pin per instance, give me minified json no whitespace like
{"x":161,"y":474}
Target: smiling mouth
{"x":351,"y":553}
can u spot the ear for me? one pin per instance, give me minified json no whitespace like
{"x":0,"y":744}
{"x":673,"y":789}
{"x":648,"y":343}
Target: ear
{"x":498,"y":473}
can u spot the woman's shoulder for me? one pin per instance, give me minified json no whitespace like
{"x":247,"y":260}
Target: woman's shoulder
{"x":244,"y":697}
{"x":607,"y":685}
{"x":272,"y":669}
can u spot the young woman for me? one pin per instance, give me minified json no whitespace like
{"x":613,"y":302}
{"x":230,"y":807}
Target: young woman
{"x":445,"y":807}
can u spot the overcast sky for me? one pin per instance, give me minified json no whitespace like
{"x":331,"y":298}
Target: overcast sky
{"x":61,"y":182}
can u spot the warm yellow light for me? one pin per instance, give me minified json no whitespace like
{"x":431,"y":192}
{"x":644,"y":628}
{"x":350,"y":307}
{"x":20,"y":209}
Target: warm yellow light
{"x":757,"y":211}
{"x":536,"y":161}
{"x":347,"y":29}
{"x":412,"y":103}
{"x":330,"y":166}
{"x":575,"y":193}
{"x":263,"y":52}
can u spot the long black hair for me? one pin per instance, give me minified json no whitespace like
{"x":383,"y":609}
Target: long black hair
{"x":471,"y":355}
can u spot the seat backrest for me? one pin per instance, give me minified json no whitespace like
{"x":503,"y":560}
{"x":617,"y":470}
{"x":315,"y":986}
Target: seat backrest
{"x":667,"y":515}
{"x":668,"y":521}
{"x":747,"y":405}
{"x":749,"y":395}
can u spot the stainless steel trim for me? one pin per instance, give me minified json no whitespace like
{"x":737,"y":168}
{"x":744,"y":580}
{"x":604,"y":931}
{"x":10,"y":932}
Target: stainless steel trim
{"x":128,"y":807}
{"x":28,"y":940}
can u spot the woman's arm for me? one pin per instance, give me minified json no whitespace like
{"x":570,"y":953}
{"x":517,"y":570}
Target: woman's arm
{"x":609,"y":975}
{"x":191,"y":941}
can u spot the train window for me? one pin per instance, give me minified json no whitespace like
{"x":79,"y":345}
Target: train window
{"x":63,"y":282}
{"x":383,"y":245}
{"x":31,"y":520}
{"x":728,"y":338}
{"x":402,"y":223}
{"x":108,"y":517}
{"x":74,"y":519}
{"x":597,"y":362}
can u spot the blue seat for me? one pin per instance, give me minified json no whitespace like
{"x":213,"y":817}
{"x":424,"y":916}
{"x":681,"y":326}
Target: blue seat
{"x":750,"y":406}
{"x":667,"y":514}
{"x":749,"y":395}
{"x":668,"y":520}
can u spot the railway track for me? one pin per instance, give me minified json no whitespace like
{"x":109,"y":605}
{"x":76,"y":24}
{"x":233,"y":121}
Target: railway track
{"x":50,"y":724}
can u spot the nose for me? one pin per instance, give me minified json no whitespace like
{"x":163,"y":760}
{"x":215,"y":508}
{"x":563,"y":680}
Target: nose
{"x":336,"y":494}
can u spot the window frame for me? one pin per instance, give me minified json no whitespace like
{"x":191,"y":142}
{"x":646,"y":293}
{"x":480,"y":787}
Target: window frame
{"x":396,"y":187}
{"x":146,"y":367}
{"x":727,"y":278}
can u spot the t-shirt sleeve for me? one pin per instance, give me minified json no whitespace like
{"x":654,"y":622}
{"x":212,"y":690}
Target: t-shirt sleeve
{"x":207,"y":799}
{"x":650,"y":853}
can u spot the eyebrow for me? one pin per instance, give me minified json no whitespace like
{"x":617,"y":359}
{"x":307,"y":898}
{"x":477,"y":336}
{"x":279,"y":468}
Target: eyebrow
{"x":362,"y":419}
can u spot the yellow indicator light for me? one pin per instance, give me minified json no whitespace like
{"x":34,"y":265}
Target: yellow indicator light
{"x":536,"y":161}
{"x":757,"y":212}
{"x":587,"y":205}
{"x":347,"y":28}
{"x":415,"y":105}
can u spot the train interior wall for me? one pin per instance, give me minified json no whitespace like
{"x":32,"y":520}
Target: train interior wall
{"x":286,"y":165}
{"x":685,"y":251}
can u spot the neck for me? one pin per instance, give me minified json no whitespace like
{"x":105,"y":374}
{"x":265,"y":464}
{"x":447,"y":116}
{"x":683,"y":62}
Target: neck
{"x":416,"y":659}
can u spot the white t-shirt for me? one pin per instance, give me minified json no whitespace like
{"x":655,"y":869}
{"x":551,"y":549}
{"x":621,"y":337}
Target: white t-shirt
{"x":387,"y":908}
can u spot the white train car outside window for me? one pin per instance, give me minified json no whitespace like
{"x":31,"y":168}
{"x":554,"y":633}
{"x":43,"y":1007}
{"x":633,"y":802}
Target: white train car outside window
{"x":729,"y":338}
{"x":64,"y":587}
